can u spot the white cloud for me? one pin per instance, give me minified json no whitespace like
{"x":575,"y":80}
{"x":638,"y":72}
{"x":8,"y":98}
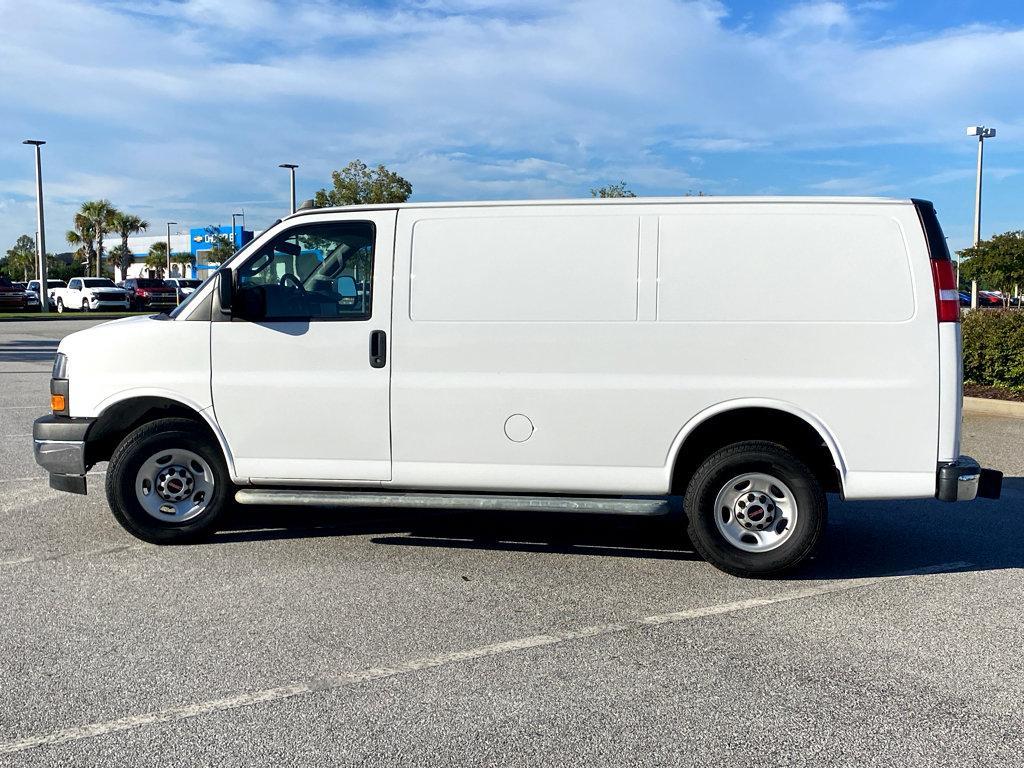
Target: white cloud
{"x":182,"y":108}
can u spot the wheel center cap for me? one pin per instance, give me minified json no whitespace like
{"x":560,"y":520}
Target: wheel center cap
{"x":755,"y":512}
{"x":175,"y":483}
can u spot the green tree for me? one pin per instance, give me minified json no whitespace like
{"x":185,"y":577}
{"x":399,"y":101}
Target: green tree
{"x":357,"y":184}
{"x":221,"y":247}
{"x":20,"y":261}
{"x":84,"y":236}
{"x":121,"y":258}
{"x":102,"y":216}
{"x":619,"y":190}
{"x":996,"y":263}
{"x":183,"y":257}
{"x":59,"y":270}
{"x":156,"y":259}
{"x":126,"y":225}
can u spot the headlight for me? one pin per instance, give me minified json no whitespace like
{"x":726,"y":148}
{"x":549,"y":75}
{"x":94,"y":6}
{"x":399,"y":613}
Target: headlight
{"x":60,"y":366}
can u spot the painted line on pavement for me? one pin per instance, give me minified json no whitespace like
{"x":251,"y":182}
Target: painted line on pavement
{"x":46,"y":477}
{"x":288,"y":691}
{"x":71,"y":554}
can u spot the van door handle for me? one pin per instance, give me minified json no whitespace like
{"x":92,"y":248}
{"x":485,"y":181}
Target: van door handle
{"x":378,"y":349}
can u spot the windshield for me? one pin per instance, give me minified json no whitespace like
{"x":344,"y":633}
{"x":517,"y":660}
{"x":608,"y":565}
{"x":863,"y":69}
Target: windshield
{"x":150,"y":283}
{"x":98,"y":283}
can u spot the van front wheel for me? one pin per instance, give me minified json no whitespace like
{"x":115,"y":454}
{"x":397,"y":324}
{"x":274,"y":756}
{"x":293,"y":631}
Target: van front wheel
{"x":754,"y":509}
{"x":167,"y":482}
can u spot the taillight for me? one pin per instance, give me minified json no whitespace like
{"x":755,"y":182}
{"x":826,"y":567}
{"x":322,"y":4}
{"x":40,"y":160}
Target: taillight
{"x":141,"y":292}
{"x":947,"y":295}
{"x":947,"y":298}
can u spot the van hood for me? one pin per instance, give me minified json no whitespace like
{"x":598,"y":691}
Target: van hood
{"x":112,"y":334}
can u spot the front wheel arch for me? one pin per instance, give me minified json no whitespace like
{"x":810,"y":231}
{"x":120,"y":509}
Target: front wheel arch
{"x":118,"y":420}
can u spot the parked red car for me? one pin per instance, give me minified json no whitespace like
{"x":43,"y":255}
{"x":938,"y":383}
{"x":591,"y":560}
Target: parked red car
{"x":145,"y":293}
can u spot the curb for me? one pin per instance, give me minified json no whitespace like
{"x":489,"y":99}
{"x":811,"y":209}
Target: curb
{"x":994,"y":407}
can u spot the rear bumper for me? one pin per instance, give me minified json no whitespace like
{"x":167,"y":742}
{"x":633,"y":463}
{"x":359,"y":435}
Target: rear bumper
{"x":964,"y":480}
{"x":58,"y":444}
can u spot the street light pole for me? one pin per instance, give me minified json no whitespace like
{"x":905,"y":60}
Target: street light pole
{"x":982,"y":133}
{"x":169,"y":247}
{"x":235,"y":240}
{"x":44,"y":295}
{"x":291,"y":167}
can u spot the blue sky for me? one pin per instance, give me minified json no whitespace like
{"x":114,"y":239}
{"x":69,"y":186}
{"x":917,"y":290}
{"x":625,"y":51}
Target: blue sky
{"x":182,"y":110}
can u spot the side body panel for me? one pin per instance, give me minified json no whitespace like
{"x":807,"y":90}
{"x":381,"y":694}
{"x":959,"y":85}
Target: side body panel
{"x":513,"y":390}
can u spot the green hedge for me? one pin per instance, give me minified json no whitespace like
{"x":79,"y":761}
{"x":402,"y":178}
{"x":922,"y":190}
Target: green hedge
{"x":994,"y":348}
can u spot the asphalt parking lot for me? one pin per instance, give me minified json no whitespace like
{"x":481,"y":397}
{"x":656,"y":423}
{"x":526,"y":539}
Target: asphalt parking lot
{"x":306,"y":637}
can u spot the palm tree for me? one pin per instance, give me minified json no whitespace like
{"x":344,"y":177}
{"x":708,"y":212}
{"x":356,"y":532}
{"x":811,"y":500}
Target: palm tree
{"x":83,"y":236}
{"x":157,"y":258}
{"x":100,"y":213}
{"x":120,"y":258}
{"x":126,"y":225}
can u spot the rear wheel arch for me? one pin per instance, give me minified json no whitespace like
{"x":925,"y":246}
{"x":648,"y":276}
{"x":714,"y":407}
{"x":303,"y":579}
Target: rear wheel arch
{"x":727,"y":423}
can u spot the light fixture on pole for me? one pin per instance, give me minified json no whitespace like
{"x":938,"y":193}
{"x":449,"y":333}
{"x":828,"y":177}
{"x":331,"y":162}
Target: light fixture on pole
{"x":291,"y":167}
{"x":169,"y":247}
{"x":982,"y":132}
{"x":44,"y":302}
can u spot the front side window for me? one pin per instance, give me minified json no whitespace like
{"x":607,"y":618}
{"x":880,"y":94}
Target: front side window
{"x":75,"y":284}
{"x":317,"y":271}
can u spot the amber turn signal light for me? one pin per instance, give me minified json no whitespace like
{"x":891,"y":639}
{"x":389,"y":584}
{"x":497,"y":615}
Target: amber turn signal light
{"x":58,"y":403}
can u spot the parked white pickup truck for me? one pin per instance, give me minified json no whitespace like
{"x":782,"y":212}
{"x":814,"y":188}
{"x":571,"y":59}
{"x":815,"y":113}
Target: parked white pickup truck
{"x":542,"y":356}
{"x":89,"y":294}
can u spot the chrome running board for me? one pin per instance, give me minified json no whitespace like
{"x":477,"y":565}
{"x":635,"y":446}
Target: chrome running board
{"x":506,"y":502}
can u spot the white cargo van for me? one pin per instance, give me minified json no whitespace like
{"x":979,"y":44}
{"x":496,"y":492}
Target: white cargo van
{"x":750,"y":354}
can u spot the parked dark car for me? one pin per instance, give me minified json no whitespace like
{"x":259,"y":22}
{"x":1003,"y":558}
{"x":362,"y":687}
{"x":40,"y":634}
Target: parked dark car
{"x":984,"y":299}
{"x":31,"y":297}
{"x":146,"y":293}
{"x":12,"y":297}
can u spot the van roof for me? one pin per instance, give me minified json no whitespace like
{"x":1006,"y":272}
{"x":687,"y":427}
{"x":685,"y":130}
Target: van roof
{"x":690,"y":200}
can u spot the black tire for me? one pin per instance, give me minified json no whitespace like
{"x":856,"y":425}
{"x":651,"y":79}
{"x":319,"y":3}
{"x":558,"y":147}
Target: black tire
{"x":85,"y":305}
{"x":60,"y":305}
{"x":762,"y":457}
{"x":129,"y":457}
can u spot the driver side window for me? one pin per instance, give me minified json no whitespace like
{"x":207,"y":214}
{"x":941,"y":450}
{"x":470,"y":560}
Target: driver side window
{"x":315,"y":271}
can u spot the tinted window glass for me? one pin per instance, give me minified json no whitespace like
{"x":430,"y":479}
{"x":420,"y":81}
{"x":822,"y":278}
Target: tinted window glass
{"x":98,"y":283}
{"x":150,"y":283}
{"x":315,"y":271}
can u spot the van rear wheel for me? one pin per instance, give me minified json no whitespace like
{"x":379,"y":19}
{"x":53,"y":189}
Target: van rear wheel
{"x":167,"y":482}
{"x":754,"y":509}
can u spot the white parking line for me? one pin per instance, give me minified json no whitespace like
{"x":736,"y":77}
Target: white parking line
{"x":72,"y":554}
{"x":247,"y":699}
{"x":45,"y":478}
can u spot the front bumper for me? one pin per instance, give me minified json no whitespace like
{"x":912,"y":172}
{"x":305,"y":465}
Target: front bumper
{"x":964,"y":480}
{"x":113,"y":304}
{"x":157,"y":301}
{"x":58,"y":444}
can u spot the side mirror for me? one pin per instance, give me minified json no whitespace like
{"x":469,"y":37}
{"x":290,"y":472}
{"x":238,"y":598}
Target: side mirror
{"x":251,"y":303}
{"x":347,"y":286}
{"x":226,"y":289}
